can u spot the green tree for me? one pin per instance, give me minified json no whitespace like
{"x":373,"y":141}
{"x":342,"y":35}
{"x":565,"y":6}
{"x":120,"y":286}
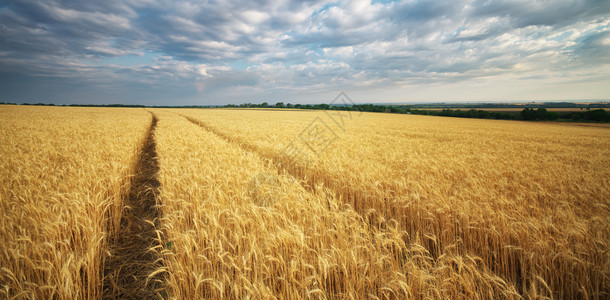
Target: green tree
{"x":576,"y":116}
{"x":598,"y":115}
{"x":528,"y":114}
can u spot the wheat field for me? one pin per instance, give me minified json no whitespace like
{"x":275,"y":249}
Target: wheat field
{"x":259,"y":204}
{"x":530,"y":200}
{"x":63,"y":173}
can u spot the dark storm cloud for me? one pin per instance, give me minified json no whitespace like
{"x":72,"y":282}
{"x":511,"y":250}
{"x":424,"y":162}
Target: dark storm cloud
{"x":193,"y":49}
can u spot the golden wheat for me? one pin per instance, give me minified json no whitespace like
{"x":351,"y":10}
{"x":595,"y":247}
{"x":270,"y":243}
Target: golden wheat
{"x":300,"y":204}
{"x":63,"y":172}
{"x":235,"y":227}
{"x":529,"y":200}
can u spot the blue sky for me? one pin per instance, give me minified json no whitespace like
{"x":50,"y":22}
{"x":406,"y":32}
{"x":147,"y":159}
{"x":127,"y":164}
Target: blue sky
{"x":162,"y":52}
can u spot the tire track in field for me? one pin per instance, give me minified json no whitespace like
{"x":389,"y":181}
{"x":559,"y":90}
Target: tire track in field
{"x":307,"y":183}
{"x":375,"y":218}
{"x":378,"y":218}
{"x":131,"y":261}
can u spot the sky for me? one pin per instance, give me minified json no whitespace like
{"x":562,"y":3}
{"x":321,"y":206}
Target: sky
{"x":166,"y":52}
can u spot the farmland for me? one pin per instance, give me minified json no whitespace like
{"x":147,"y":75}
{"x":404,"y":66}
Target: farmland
{"x":557,"y":109}
{"x":249,"y":203}
{"x":64,"y":173}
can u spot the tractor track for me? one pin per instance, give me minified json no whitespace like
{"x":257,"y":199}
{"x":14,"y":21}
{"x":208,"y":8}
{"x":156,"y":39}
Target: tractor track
{"x":132,"y":256}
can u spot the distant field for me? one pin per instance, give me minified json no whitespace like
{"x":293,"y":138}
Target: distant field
{"x":560,"y":109}
{"x":294,"y":204}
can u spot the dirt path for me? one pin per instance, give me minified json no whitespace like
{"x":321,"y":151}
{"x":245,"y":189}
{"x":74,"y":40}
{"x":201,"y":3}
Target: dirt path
{"x":126,"y":270}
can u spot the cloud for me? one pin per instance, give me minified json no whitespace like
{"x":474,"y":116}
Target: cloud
{"x":594,"y":49}
{"x":215,"y":52}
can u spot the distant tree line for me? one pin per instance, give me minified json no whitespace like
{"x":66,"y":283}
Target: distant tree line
{"x":527,"y":114}
{"x":512,"y":105}
{"x":587,"y":114}
{"x":596,"y":115}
